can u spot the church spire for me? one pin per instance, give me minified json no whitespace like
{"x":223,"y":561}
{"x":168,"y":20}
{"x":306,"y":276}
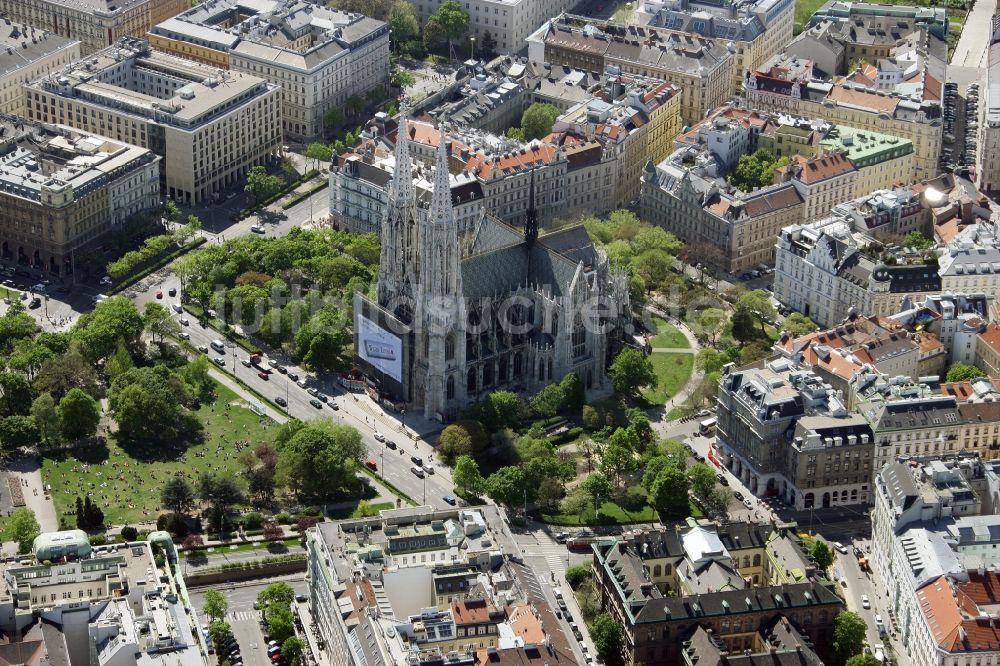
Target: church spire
{"x":441,"y":211}
{"x":531,"y":217}
{"x":402,"y":176}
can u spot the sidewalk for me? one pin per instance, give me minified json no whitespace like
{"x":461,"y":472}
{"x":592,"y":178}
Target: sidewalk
{"x":695,"y":379}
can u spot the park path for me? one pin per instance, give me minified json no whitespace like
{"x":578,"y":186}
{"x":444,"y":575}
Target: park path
{"x":27,"y":471}
{"x":695,"y":379}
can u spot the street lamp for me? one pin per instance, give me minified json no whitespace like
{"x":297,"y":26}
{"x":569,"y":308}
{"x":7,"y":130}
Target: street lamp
{"x":473,"y":41}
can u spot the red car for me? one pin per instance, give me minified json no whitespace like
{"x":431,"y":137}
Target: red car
{"x":263,"y":375}
{"x":159,"y":294}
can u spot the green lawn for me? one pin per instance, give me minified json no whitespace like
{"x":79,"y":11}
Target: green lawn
{"x":127,"y":482}
{"x":610,"y":514}
{"x":668,"y":336}
{"x":804,"y":9}
{"x":358,"y":512}
{"x":672,"y":372}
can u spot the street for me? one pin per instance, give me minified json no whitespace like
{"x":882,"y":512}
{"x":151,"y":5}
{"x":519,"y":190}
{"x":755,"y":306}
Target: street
{"x":974,"y":43}
{"x":241,"y":616}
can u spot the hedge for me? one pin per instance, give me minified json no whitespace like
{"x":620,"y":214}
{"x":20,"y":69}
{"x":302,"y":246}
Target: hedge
{"x":567,"y":436}
{"x":302,"y":196}
{"x":160,"y":263}
{"x":247,"y":212}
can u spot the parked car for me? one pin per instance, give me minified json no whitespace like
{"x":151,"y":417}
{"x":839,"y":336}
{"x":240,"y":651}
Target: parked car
{"x":313,"y":392}
{"x":281,"y":402}
{"x":389,"y":444}
{"x":220,"y":361}
{"x":184,"y":321}
{"x":246,"y":362}
{"x":293,"y":376}
{"x":839,"y":547}
{"x":865,"y":602}
{"x":176,"y":307}
{"x":263,"y":375}
{"x":301,"y":383}
{"x":184,"y":335}
{"x":379,"y":437}
{"x":257,"y":229}
{"x":738,"y":495}
{"x":449,"y":499}
{"x":203,"y":349}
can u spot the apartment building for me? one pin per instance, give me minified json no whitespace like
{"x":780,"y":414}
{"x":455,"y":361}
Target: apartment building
{"x":713,"y":589}
{"x":784,"y":432}
{"x":932,"y":19}
{"x":487,"y":174}
{"x":507,"y":22}
{"x":758,"y":29}
{"x":987,"y":357}
{"x":62,"y":189}
{"x":823,"y":181}
{"x":113,"y":603}
{"x":209,"y":126}
{"x":784,"y":86}
{"x":632,"y":117}
{"x":26,"y":54}
{"x":96,"y":24}
{"x":702,"y":69}
{"x":372,"y":601}
{"x":318,"y":56}
{"x":724,"y":227}
{"x":828,"y":271}
{"x":988,"y":153}
{"x":934,"y":554}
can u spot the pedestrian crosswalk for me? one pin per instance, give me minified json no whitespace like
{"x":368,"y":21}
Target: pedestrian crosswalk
{"x":242,"y":615}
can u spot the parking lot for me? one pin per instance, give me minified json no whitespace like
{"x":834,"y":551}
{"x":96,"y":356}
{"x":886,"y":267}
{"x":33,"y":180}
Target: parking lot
{"x":244,"y":620}
{"x":961,"y":124}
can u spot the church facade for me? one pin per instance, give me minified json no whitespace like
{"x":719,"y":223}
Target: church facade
{"x":457,"y":316}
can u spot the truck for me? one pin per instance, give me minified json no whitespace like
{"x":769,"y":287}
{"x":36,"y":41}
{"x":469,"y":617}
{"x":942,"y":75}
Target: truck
{"x":255,"y":360}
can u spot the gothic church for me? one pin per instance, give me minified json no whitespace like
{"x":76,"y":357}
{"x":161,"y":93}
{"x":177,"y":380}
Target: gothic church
{"x":496,"y":308}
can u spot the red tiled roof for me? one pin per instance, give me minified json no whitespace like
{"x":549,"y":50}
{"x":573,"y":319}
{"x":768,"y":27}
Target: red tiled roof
{"x":940,"y":611}
{"x":991,"y":336}
{"x":863,"y":99}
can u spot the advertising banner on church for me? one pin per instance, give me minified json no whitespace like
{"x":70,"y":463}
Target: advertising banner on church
{"x":380,"y":348}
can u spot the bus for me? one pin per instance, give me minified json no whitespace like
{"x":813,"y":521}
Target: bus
{"x":707,"y":426}
{"x":580,"y":544}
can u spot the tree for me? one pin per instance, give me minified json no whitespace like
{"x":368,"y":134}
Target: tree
{"x":607,"y":637}
{"x":849,"y":631}
{"x":17,"y":431}
{"x":280,"y":624}
{"x":43,"y":410}
{"x":547,"y":402}
{"x":111,"y":322}
{"x":272,"y":531}
{"x":863,"y":660}
{"x":598,"y":489}
{"x":577,"y":574}
{"x":334,"y":118}
{"x":617,"y":461}
{"x":710,"y":360}
{"x":538,"y":119}
{"x":403,"y":22}
{"x":276,"y":594}
{"x":318,"y":152}
{"x":630,"y":371}
{"x":653,"y":266}
{"x":743,"y":325}
{"x":507,"y":486}
{"x":798,"y":324}
{"x":215,"y":606}
{"x":917,"y":241}
{"x":323,"y":457}
{"x":455,"y":442}
{"x":669,"y":492}
{"x":702,"y":479}
{"x":219,"y":631}
{"x":261,"y":185}
{"x":434,"y":34}
{"x":16,"y":395}
{"x":157,"y":320}
{"x":221,"y":492}
{"x":192,"y":541}
{"x":758,"y":303}
{"x":709,"y":324}
{"x":129,"y":533}
{"x":508,"y":408}
{"x":822,"y":554}
{"x":177,"y":495}
{"x":466,"y":475}
{"x":717,"y":502}
{"x":452,"y":20}
{"x":590,"y":417}
{"x":574,"y":393}
{"x":489,"y":45}
{"x":21,"y":527}
{"x":118,"y":363}
{"x":961,"y":372}
{"x":291,"y":650}
{"x":79,"y":414}
{"x":754,"y":170}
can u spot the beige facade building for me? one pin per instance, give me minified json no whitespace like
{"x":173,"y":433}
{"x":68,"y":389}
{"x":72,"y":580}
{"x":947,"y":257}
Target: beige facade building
{"x":96,"y":24}
{"x":61,"y":189}
{"x":210,"y":127}
{"x":701,"y":68}
{"x":319,"y":56}
{"x":722,"y":226}
{"x":26,"y":54}
{"x":507,"y":22}
{"x":778,"y":89}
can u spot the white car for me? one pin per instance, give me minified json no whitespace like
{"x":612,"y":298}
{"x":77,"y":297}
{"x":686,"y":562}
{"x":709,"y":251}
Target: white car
{"x":301,"y":383}
{"x":177,"y":308}
{"x":184,"y":335}
{"x":257,"y":229}
{"x":839,"y":547}
{"x":184,"y":321}
{"x":865,"y":603}
{"x":379,"y":437}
